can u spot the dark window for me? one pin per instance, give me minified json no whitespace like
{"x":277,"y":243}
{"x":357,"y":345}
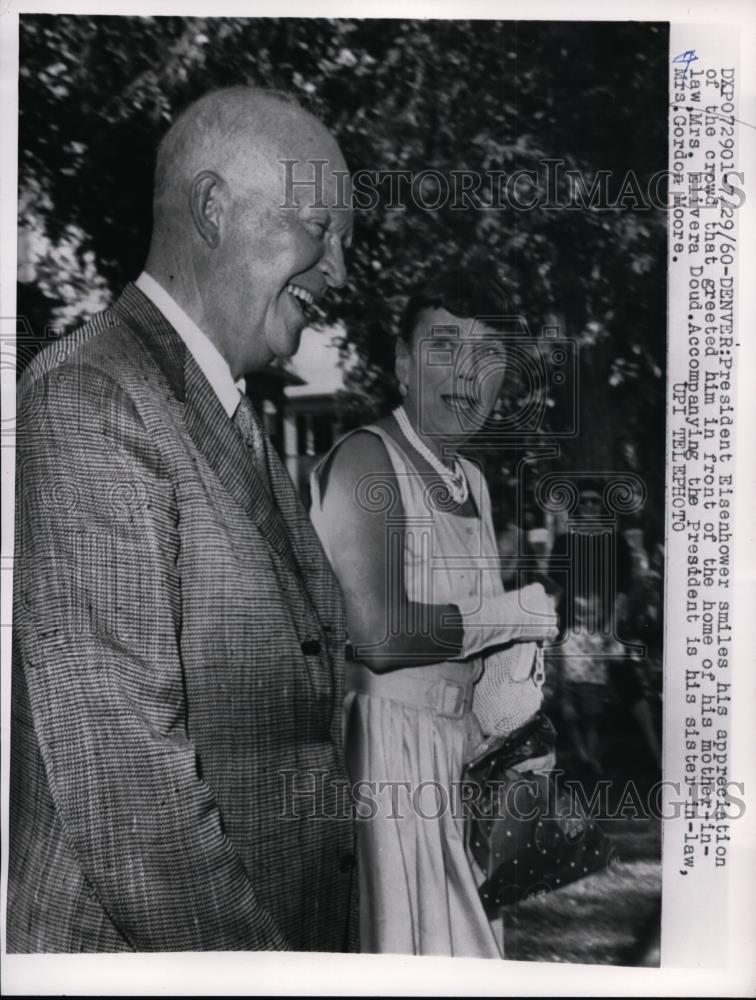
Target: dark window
{"x":323,"y":432}
{"x":301,"y":434}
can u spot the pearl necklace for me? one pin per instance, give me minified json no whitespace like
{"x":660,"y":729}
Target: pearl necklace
{"x":454,"y":479}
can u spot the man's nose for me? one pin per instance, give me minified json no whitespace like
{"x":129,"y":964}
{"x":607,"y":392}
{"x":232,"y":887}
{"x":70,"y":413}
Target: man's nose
{"x":333,"y":265}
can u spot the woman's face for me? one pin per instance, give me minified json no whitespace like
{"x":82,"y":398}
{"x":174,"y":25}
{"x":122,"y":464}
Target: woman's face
{"x":453,"y":371}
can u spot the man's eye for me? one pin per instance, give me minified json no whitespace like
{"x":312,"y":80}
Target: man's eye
{"x":318,"y":227}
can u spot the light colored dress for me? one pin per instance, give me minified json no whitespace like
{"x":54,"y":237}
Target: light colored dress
{"x":418,"y":885}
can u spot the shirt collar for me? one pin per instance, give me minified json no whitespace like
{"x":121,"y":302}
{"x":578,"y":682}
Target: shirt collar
{"x":211,"y":362}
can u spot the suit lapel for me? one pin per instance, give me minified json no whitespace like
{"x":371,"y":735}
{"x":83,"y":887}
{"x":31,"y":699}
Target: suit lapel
{"x":319,"y":587}
{"x":319,"y":579}
{"x":221,"y":444}
{"x":205,"y":419}
{"x":281,"y":518}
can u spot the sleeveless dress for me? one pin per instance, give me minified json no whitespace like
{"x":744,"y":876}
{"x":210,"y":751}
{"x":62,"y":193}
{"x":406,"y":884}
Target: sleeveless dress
{"x":418,"y":885}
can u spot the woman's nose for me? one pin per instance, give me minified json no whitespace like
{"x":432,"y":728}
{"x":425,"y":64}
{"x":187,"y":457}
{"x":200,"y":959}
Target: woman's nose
{"x":467,"y":367}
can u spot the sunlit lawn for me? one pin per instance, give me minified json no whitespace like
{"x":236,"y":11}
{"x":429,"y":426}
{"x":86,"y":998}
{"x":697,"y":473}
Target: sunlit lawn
{"x":611,"y":917}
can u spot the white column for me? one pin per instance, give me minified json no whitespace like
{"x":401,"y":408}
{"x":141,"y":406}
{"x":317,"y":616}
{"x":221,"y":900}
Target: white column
{"x":290,"y":444}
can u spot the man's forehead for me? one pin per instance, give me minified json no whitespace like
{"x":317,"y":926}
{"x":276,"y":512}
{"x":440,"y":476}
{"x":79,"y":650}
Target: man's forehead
{"x":289,"y":148}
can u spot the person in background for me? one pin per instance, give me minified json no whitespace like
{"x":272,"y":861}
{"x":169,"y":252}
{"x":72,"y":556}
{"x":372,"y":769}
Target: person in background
{"x":583,"y":565}
{"x":580,"y":666}
{"x":511,"y":543}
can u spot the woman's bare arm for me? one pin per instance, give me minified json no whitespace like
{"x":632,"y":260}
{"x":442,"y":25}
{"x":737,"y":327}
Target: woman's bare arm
{"x":366,"y":543}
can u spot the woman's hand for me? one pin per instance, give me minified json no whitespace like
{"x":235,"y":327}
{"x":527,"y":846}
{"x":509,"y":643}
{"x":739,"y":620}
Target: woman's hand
{"x":525,"y":615}
{"x":541,"y":610}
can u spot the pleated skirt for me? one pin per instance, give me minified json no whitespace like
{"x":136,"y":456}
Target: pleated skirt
{"x":418,"y":888}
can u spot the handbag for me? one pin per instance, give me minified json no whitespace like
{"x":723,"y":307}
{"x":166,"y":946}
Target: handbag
{"x":527,"y":834}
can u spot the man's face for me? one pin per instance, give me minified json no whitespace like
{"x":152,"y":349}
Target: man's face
{"x":454,"y":374}
{"x":281,"y":252}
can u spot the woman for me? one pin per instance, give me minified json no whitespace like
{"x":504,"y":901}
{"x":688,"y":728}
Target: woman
{"x":407,"y":526}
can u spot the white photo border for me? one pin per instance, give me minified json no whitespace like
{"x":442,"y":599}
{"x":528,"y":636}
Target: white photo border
{"x":291,"y":974}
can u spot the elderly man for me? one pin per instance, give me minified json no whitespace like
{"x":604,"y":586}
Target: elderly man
{"x":177,"y":768}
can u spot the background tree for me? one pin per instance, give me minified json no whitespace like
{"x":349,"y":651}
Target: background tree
{"x":97,"y":93}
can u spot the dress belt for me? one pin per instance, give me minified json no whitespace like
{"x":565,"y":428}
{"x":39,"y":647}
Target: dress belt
{"x":447,"y":698}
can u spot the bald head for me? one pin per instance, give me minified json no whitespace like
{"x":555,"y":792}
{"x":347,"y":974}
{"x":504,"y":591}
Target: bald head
{"x":242,"y":134}
{"x":251,"y":218}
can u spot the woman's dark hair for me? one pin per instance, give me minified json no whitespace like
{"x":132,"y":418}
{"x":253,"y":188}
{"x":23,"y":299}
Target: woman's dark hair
{"x":471,"y":292}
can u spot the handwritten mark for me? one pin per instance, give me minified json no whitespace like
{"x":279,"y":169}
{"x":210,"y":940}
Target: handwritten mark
{"x":687,"y":58}
{"x":728,"y":119}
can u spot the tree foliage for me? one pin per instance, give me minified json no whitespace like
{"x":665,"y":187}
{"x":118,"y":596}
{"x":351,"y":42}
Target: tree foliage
{"x":472,"y":97}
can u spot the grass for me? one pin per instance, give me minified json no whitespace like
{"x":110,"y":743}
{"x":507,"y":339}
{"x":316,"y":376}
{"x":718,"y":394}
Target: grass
{"x":612,"y":917}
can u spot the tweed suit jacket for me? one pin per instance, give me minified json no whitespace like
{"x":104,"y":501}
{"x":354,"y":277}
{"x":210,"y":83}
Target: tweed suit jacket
{"x":177,"y":772}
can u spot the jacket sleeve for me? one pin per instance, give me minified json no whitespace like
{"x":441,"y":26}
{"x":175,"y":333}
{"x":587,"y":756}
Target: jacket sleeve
{"x":97,"y":620}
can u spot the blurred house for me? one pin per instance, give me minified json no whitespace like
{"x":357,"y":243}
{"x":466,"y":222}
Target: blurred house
{"x":297,"y":400}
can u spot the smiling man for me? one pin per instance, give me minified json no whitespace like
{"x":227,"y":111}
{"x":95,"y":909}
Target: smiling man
{"x":243,"y":250}
{"x":177,"y":765}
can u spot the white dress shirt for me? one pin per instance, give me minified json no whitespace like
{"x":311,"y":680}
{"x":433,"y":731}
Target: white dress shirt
{"x":211,"y":362}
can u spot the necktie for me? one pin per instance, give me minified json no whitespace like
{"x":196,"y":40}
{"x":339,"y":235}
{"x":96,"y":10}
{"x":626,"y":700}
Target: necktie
{"x":248,"y":424}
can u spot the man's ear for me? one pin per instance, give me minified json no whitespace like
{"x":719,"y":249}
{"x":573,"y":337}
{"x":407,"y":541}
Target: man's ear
{"x":205,"y":198}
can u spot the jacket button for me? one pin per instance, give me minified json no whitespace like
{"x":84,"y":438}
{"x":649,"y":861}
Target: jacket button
{"x":311,"y":647}
{"x":346,"y":863}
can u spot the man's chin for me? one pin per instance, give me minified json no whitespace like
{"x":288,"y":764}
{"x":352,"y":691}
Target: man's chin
{"x":285,"y":343}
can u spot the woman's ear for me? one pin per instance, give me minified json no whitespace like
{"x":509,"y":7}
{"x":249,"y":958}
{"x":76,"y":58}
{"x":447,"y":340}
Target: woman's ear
{"x":402,"y":363}
{"x":206,"y":201}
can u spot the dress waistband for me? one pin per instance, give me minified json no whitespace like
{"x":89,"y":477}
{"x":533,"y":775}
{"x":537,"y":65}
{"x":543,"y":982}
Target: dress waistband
{"x":449,"y":698}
